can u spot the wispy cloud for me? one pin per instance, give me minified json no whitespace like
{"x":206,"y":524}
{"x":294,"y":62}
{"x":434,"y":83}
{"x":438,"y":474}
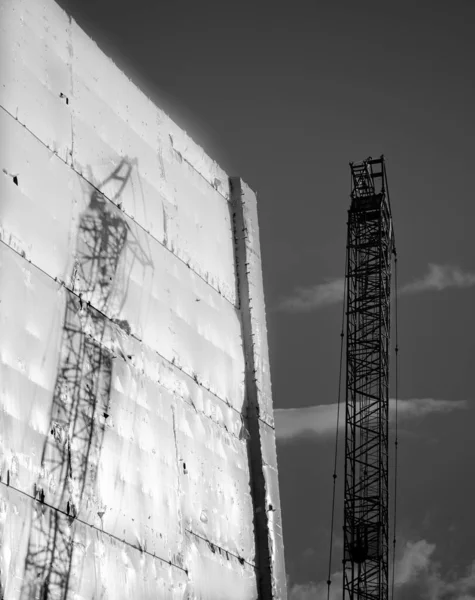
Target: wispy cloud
{"x":317,"y":591}
{"x":440,"y":277}
{"x":314,"y":297}
{"x":306,"y":299}
{"x":320,"y":421}
{"x":415,"y":558}
{"x":417,"y":575}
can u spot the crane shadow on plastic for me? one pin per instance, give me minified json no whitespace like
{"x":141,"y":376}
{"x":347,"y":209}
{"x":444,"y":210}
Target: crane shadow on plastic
{"x":105,"y":251}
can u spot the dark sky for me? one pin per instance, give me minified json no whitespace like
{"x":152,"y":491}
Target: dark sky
{"x":285,"y":95}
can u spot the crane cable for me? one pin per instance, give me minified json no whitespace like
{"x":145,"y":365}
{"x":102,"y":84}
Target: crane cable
{"x":396,"y":441}
{"x":342,"y":336}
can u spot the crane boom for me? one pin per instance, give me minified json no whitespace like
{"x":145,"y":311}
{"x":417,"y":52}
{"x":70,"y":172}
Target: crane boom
{"x":370,"y":246}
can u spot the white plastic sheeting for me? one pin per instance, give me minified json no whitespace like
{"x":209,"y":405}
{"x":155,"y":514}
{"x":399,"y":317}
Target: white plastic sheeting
{"x":80,"y":105}
{"x":166,"y":303}
{"x":170,"y":461}
{"x":158,"y":503}
{"x":109,"y":568}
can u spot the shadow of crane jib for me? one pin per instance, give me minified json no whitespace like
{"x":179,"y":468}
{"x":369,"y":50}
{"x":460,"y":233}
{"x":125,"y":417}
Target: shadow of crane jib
{"x":82,"y":391}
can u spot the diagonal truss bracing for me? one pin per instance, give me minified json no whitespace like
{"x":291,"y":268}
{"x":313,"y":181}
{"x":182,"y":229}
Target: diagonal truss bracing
{"x":370,"y":246}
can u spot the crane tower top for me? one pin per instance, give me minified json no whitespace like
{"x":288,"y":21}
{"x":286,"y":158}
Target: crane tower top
{"x":370,"y":244}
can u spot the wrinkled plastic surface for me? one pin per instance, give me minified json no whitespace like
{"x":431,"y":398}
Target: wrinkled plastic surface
{"x":156,"y":500}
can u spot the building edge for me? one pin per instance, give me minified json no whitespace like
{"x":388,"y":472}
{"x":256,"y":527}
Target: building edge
{"x":259,"y":413}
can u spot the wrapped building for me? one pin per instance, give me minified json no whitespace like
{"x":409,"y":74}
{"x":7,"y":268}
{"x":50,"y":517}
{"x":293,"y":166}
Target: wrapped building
{"x":137,"y":445}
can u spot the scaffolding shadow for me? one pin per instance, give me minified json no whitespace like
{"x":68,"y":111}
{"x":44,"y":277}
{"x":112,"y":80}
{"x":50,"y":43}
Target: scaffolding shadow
{"x":105,"y":254}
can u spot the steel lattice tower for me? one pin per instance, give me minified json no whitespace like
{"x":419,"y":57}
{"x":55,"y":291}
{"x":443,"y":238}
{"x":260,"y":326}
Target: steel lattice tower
{"x":369,"y":260}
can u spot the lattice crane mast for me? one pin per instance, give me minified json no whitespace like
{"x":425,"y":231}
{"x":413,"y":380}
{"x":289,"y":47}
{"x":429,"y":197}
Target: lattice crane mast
{"x":370,"y":246}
